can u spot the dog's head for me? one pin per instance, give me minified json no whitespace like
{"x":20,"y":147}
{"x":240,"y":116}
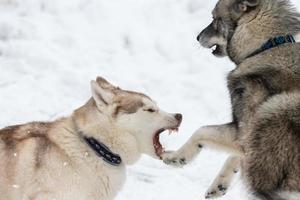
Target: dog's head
{"x":135,"y":113}
{"x":226,"y":17}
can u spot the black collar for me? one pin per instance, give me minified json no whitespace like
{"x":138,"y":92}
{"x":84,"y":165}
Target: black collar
{"x":274,"y":42}
{"x":103,"y":151}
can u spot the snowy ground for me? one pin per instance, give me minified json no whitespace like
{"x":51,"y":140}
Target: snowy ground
{"x":51,"y":49}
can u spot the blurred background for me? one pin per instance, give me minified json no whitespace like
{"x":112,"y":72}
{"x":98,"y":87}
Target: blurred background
{"x":51,"y":49}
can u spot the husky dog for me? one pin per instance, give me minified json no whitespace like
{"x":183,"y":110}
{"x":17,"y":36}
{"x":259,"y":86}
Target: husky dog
{"x":83,"y":156}
{"x":264,"y":135}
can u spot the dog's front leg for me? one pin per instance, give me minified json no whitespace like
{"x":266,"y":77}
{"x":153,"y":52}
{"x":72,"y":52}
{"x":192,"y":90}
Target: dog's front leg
{"x":223,"y":180}
{"x":217,"y":137}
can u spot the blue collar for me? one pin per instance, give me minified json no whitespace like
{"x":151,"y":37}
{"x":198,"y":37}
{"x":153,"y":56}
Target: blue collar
{"x":274,"y":42}
{"x":103,"y":151}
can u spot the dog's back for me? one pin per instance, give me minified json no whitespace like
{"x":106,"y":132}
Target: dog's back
{"x":22,"y":153}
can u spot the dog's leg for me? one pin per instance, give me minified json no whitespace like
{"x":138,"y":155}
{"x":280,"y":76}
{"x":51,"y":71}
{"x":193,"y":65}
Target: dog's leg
{"x":224,"y":178}
{"x":217,"y":137}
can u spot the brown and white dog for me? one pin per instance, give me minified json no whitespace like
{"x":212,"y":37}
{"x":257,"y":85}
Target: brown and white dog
{"x":83,"y":156}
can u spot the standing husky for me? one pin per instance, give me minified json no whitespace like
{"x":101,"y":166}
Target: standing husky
{"x":264,"y":136}
{"x":83,"y":156}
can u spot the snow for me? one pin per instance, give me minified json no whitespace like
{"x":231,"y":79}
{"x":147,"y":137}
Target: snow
{"x":51,"y":49}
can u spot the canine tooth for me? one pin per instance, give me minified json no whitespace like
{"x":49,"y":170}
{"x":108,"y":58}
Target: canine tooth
{"x":15,"y":186}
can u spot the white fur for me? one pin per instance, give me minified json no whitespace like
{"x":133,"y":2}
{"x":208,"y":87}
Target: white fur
{"x":297,"y":37}
{"x":290,"y":195}
{"x":215,"y":137}
{"x":223,"y":180}
{"x":69,"y":168}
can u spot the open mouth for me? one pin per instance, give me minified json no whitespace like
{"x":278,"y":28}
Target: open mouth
{"x":159,"y":149}
{"x":217,"y":50}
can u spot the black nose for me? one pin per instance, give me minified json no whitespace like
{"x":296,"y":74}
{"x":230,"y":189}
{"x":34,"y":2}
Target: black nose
{"x":198,"y":37}
{"x":178,"y":117}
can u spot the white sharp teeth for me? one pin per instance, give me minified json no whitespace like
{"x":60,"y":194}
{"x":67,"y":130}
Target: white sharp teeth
{"x":173,"y":131}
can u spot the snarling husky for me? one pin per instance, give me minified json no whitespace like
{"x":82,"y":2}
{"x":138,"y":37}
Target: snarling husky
{"x":263,"y":138}
{"x":83,"y":156}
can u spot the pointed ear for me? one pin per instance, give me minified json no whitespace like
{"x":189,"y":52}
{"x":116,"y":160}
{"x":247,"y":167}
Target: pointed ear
{"x":246,"y":5}
{"x":102,"y":96}
{"x":105,"y":84}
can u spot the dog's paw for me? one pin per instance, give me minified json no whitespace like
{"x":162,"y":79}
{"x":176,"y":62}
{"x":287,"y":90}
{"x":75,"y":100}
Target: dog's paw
{"x":173,"y":159}
{"x":216,"y":191}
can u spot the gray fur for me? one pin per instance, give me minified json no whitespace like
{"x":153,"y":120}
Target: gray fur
{"x":265,"y":92}
{"x":265,"y":97}
{"x":262,"y":20}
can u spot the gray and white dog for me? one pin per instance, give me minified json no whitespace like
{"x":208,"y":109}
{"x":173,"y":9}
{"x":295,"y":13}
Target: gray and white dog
{"x":264,"y":135}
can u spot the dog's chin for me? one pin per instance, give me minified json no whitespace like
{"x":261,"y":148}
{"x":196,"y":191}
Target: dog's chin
{"x":219,"y":51}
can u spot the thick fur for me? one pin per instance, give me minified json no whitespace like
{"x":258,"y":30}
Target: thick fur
{"x":265,"y":96}
{"x":47,"y":161}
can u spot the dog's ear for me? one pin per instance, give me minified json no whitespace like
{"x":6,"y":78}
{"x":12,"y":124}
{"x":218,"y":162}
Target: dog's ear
{"x":104,"y":83}
{"x":102,"y":93}
{"x":246,"y":5}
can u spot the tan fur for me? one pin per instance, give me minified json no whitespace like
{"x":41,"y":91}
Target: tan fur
{"x":47,"y":161}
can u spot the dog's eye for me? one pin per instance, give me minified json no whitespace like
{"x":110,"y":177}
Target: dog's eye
{"x":150,"y":110}
{"x":238,"y":91}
